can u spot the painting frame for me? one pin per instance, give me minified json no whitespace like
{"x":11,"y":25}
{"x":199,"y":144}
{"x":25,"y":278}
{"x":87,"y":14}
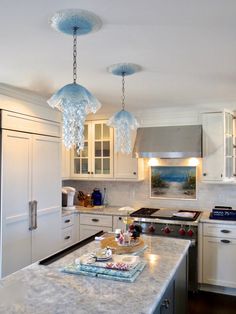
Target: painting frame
{"x":173,"y":182}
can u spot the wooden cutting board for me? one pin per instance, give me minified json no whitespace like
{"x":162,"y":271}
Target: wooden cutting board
{"x":118,"y":249}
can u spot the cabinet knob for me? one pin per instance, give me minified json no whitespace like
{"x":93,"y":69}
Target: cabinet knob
{"x":225,"y":231}
{"x":91,"y":172}
{"x":120,"y":218}
{"x":204,"y":174}
{"x":67,"y":238}
{"x":88,"y":172}
{"x":67,"y":221}
{"x":221,"y":175}
{"x":166,"y":303}
{"x":225,"y":241}
{"x":134,"y":173}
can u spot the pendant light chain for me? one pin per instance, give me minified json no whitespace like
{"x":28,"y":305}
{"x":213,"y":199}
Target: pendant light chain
{"x":123,"y":91}
{"x":75,"y":55}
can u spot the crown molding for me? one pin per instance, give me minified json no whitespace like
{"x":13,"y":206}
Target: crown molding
{"x":22,"y":94}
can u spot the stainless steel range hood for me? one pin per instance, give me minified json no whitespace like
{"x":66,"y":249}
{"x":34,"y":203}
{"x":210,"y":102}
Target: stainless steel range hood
{"x":169,"y":142}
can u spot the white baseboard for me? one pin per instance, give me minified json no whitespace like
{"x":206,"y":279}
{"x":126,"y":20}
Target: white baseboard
{"x":217,"y":289}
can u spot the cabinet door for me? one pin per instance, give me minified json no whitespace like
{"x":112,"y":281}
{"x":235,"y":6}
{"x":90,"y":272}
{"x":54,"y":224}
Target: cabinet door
{"x":127,"y":167}
{"x":219,"y":260}
{"x":96,"y":160}
{"x":81,"y":161}
{"x":102,"y":150}
{"x":229,"y":146}
{"x":166,"y":305}
{"x":118,"y":223}
{"x":15,"y":194}
{"x":213,"y":146}
{"x":65,"y":162}
{"x":87,"y":231}
{"x":46,"y":190}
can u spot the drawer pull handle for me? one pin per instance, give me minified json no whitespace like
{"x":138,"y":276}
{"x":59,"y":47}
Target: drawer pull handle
{"x":67,"y":238}
{"x":95,"y":220}
{"x":67,"y":221}
{"x":225,"y":231}
{"x":225,"y":241}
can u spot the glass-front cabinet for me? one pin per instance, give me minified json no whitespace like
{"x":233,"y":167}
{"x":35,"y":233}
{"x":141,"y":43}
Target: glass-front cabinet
{"x":96,"y":160}
{"x":229,"y":145}
{"x":218,"y":147}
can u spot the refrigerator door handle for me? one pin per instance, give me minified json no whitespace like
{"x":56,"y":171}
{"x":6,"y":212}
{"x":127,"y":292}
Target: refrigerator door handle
{"x":35,"y":208}
{"x":31,"y":218}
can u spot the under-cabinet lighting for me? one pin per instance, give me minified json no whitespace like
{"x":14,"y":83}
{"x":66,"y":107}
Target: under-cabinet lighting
{"x":193,"y":162}
{"x":153,"y":162}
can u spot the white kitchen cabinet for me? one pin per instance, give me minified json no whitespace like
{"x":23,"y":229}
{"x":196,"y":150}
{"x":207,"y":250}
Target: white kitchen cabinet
{"x":218,"y":153}
{"x":118,"y":223}
{"x":91,"y":224}
{"x":30,"y":169}
{"x":69,"y":231}
{"x":219,"y":255}
{"x":65,"y":162}
{"x":96,"y":160}
{"x":128,"y":168}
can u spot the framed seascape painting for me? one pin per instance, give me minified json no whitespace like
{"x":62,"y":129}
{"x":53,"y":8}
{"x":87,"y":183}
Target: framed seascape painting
{"x":173,"y":182}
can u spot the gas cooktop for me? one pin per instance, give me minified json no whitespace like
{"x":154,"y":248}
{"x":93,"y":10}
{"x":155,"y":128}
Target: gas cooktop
{"x":172,"y":214}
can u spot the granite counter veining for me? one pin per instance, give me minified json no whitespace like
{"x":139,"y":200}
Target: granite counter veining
{"x":110,"y":210}
{"x":44,"y":289}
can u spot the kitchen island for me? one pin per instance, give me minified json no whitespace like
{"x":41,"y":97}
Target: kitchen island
{"x":45,"y":289}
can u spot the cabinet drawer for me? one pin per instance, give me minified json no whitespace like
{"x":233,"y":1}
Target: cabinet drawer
{"x":67,"y":221}
{"x":96,"y":220}
{"x":87,"y":231}
{"x":219,"y":230}
{"x":67,"y":236}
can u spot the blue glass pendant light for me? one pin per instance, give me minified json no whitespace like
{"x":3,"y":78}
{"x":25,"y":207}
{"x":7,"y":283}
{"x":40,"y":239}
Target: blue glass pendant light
{"x":123,"y":121}
{"x":74,"y":100}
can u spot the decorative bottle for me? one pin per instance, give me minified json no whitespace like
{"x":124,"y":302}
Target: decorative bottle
{"x":97,"y":197}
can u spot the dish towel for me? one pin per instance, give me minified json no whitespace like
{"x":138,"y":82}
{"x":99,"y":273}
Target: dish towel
{"x":106,"y":273}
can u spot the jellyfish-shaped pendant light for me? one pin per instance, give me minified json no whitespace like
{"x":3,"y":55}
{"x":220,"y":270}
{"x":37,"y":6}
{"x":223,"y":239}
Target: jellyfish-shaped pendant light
{"x":74,"y":100}
{"x":123,"y":121}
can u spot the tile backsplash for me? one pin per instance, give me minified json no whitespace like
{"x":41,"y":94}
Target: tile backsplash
{"x":137,"y":194}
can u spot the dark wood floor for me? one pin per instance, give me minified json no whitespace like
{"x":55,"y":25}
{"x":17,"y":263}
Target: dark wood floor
{"x":211,"y":303}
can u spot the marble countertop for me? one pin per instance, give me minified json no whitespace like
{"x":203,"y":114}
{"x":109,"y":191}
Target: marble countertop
{"x":44,"y":289}
{"x":205,"y":219}
{"x":99,"y":210}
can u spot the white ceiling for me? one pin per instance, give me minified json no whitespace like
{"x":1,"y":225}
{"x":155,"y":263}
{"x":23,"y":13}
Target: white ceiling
{"x":187,"y":49}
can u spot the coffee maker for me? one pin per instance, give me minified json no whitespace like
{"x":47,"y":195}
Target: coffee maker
{"x":68,"y":194}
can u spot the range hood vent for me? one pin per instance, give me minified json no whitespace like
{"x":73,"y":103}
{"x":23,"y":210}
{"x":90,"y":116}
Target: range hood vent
{"x":168,"y":142}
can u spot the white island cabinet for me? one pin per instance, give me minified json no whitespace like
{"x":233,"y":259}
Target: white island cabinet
{"x":219,"y":254}
{"x":30,"y":190}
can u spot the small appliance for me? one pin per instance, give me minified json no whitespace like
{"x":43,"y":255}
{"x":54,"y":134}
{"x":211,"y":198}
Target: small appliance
{"x":68,"y":194}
